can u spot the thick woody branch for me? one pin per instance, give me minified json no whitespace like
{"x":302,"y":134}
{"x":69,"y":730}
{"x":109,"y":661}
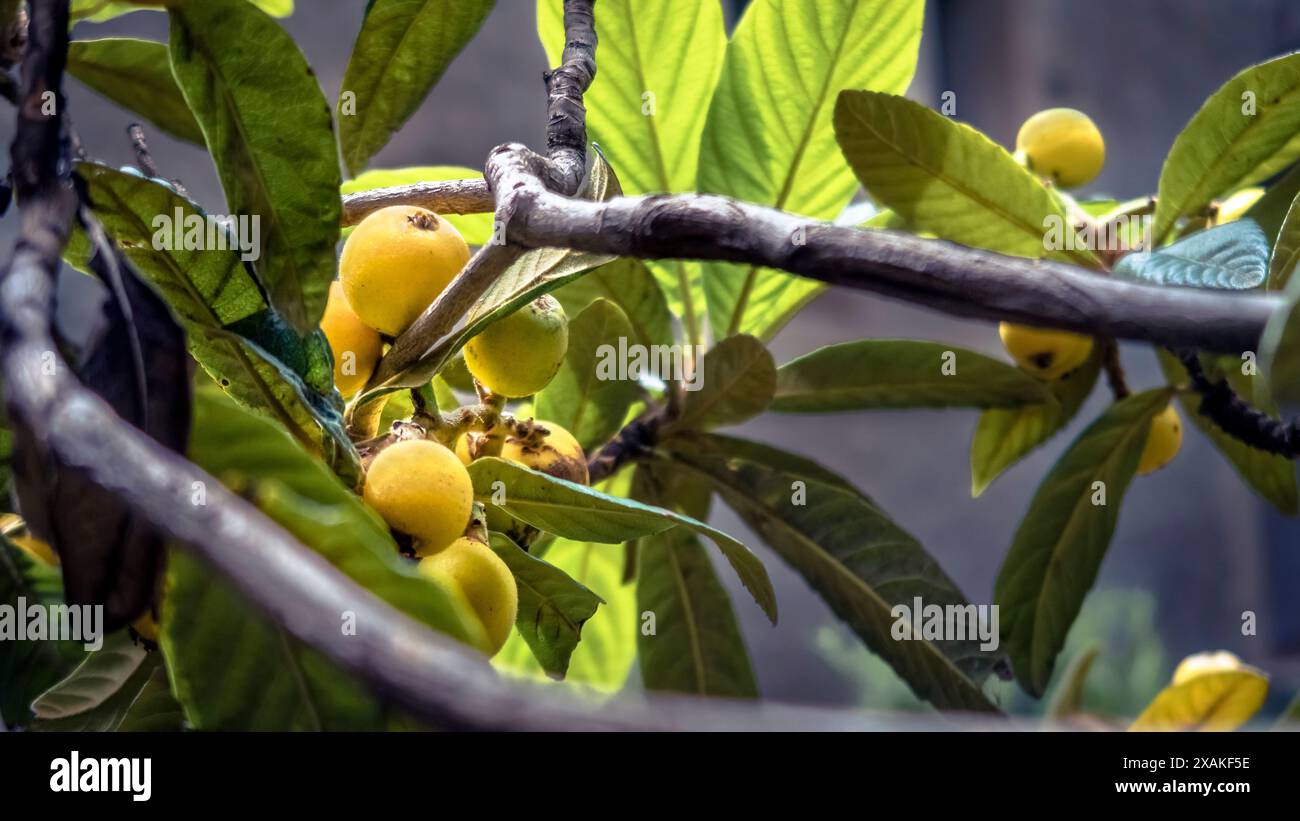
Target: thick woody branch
{"x":945,"y":276}
{"x":566,"y":129}
{"x":450,"y":197}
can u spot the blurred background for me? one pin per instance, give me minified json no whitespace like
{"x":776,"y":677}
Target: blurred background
{"x":1194,"y":548}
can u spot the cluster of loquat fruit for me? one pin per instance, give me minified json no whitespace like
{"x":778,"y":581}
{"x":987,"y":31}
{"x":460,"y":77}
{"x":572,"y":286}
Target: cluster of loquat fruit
{"x":395,"y":264}
{"x":1065,"y":146}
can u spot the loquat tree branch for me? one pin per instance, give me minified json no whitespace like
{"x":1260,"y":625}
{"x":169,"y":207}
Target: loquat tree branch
{"x":1237,"y":417}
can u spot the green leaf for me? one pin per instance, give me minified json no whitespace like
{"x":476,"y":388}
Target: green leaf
{"x":1280,"y":351}
{"x":269,"y":129}
{"x":646,"y":112}
{"x":1268,"y":474}
{"x":1067,"y":700}
{"x":97,"y":695}
{"x":29,"y":666}
{"x":97,"y":11}
{"x":901,"y":373}
{"x":1286,"y":251}
{"x":585,"y":397}
{"x":627,"y":283}
{"x":553,"y":607}
{"x":696,"y":646}
{"x":945,"y":177}
{"x":475,"y":228}
{"x":604,"y":657}
{"x":155,"y":709}
{"x":1271,"y":209}
{"x":230,"y":329}
{"x":402,"y":50}
{"x":580,"y":513}
{"x":735,"y":381}
{"x":858,"y":560}
{"x":1224,"y":147}
{"x":1062,"y":540}
{"x":1232,"y":257}
{"x":769,"y":137}
{"x":537,"y":272}
{"x":1004,"y":436}
{"x":137,"y":75}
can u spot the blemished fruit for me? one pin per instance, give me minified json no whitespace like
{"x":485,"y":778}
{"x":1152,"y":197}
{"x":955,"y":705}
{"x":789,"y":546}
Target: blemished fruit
{"x":1163,"y":442}
{"x":1199,"y":664}
{"x":355,"y":344}
{"x":485,"y":581}
{"x":558,"y":454}
{"x":1044,"y":353}
{"x":37,"y":549}
{"x":1236,"y":206}
{"x":518,"y":356}
{"x":396,"y":262}
{"x":1062,"y":144}
{"x":421,"y":489}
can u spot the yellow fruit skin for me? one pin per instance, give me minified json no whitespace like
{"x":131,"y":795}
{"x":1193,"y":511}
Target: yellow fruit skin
{"x":420,"y":488}
{"x":485,"y":581}
{"x":560,"y":455}
{"x":37,"y":549}
{"x":1046,"y":354}
{"x":1062,"y":144}
{"x":1199,"y":664}
{"x":518,"y":356}
{"x":147,"y":626}
{"x":1235,"y":206}
{"x":355,"y":344}
{"x":1162,"y":445}
{"x":396,"y":262}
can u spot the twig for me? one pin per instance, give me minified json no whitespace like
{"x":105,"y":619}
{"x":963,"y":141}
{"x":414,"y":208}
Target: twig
{"x":451,"y":197}
{"x":1237,"y":417}
{"x":1110,"y":362}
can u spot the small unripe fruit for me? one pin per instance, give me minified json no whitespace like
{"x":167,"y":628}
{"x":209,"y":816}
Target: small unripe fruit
{"x":1062,"y":144}
{"x":518,"y":356}
{"x":470,"y":566}
{"x":1236,"y":206}
{"x":355,"y":344}
{"x":396,"y":262}
{"x":1044,"y":353}
{"x":558,"y":454}
{"x":420,"y":488}
{"x":1163,"y":442}
{"x":1199,"y":664}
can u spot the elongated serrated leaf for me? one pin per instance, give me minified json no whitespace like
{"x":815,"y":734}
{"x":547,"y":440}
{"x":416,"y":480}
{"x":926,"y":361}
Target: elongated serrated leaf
{"x":945,"y":177}
{"x":580,"y":513}
{"x":137,"y":75}
{"x":588,"y":396}
{"x":627,"y":283}
{"x":646,"y":112}
{"x":604,"y":657}
{"x":402,"y":50}
{"x":29,"y":666}
{"x":1268,"y":474}
{"x":1211,"y":702}
{"x":475,"y":228}
{"x":1234,"y":256}
{"x":1062,"y":540}
{"x":537,"y":272}
{"x":244,"y":78}
{"x":1241,"y":135}
{"x":155,"y":709}
{"x":759,"y":147}
{"x":696,"y":646}
{"x":1280,"y":351}
{"x":901,"y":373}
{"x":1286,"y":250}
{"x":1271,"y":209}
{"x":102,"y":674}
{"x":553,"y":607}
{"x":98,"y":11}
{"x":736,"y":380}
{"x":1004,"y":436}
{"x":859,"y":561}
{"x":229,"y":328}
